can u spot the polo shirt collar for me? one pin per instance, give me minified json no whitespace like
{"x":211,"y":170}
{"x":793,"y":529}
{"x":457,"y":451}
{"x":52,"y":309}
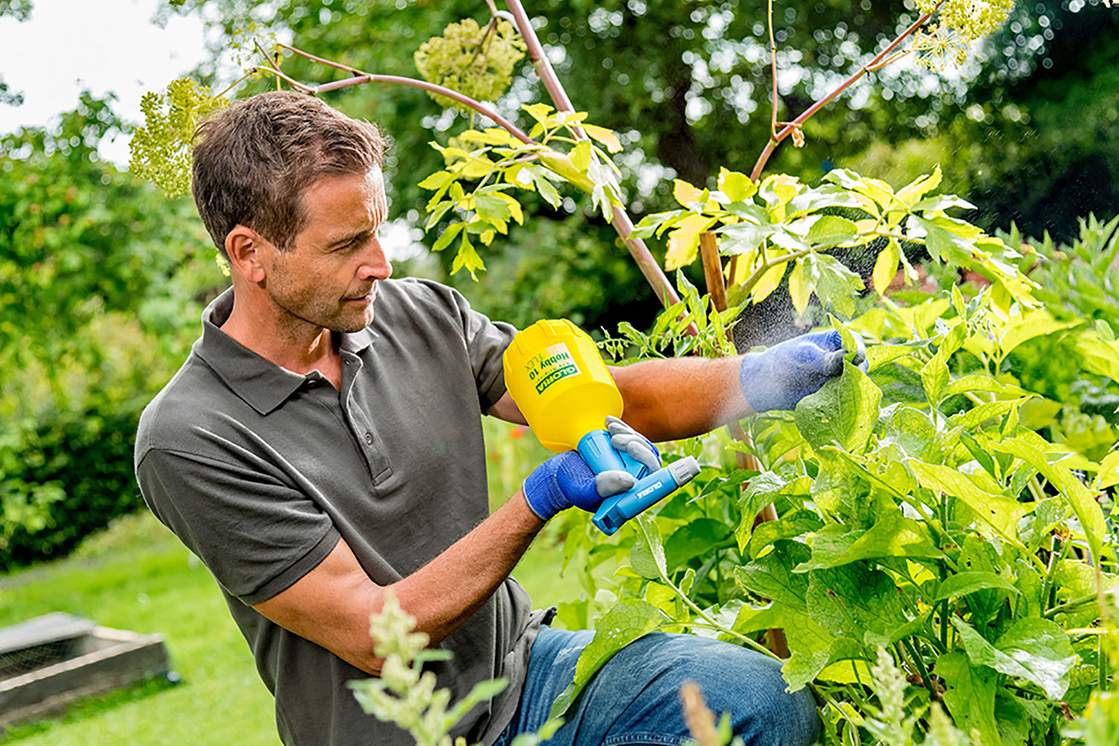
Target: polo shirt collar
{"x":260,"y":382}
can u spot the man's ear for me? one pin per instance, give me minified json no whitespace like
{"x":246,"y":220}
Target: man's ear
{"x":247,"y":252}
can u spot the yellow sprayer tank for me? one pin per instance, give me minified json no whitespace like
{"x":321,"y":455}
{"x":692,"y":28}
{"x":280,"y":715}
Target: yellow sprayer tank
{"x":557,"y":378}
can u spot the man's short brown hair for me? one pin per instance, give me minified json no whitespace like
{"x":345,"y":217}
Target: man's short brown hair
{"x":254,"y":159}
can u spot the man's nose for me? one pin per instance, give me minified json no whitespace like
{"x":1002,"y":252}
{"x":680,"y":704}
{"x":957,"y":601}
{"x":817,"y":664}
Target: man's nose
{"x":376,"y":265}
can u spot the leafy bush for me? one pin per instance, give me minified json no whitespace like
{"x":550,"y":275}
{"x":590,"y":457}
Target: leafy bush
{"x":63,"y":475}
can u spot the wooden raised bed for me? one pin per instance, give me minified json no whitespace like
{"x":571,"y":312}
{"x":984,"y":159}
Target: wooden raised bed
{"x":49,"y":661}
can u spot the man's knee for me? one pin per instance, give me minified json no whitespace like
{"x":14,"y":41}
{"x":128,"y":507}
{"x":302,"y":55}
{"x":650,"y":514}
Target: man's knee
{"x":750,"y":687}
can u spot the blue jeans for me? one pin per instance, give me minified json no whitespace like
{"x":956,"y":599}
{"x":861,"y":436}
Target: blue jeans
{"x":635,"y":697}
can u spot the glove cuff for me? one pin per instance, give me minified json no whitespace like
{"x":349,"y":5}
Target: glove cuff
{"x":756,"y":383}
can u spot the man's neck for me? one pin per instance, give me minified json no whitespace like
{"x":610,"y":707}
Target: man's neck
{"x":279,"y":337}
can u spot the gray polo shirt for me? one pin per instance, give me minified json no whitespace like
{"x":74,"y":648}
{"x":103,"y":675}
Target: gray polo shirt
{"x":260,"y":470}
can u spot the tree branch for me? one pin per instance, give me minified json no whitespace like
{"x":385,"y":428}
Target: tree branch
{"x":875,"y":64}
{"x":620,"y":218}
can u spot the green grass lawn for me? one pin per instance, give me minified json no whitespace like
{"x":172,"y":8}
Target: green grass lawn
{"x":137,"y":576}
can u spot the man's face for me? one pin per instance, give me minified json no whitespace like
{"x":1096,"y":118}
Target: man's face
{"x":329,"y":275}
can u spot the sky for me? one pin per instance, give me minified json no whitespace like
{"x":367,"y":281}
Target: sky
{"x":102,"y":45}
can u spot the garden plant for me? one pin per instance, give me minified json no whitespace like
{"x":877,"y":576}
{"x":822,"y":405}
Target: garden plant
{"x":933,"y":534}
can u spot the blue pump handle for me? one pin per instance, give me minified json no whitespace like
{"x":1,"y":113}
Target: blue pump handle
{"x":600,"y":455}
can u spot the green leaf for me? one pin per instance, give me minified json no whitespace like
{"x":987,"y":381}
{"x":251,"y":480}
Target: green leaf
{"x":830,"y":230}
{"x":963,"y":583}
{"x":694,"y":539}
{"x":652,"y":559}
{"x":1034,"y":649}
{"x":1077,"y":494}
{"x":998,"y":511}
{"x":893,"y":535}
{"x":628,"y":620}
{"x":935,"y":374}
{"x":787,"y":526}
{"x":856,"y":602}
{"x":772,"y":576}
{"x":548,"y":191}
{"x":842,"y":412}
{"x":970,"y":696}
{"x":836,"y":286}
{"x":447,"y":236}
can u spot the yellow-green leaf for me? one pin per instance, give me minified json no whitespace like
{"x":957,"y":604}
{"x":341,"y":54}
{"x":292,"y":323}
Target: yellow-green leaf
{"x":1060,"y":476}
{"x":998,"y":511}
{"x":1108,"y":475}
{"x":604,"y":136}
{"x":911,"y":193}
{"x":447,"y":236}
{"x":581,"y":155}
{"x":800,"y":289}
{"x":886,"y":266}
{"x":768,"y":282}
{"x":737,"y":186}
{"x":683,"y":241}
{"x":686,"y":194}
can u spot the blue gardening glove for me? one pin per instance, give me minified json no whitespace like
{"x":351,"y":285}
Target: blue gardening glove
{"x":784,"y":374}
{"x":565,"y":480}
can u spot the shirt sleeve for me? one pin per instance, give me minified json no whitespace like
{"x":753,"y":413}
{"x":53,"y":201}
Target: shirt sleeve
{"x":256,"y":535}
{"x":485,"y":343}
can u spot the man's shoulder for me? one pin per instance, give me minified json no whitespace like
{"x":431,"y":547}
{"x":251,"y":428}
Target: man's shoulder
{"x":184,"y":403}
{"x":420,"y":302}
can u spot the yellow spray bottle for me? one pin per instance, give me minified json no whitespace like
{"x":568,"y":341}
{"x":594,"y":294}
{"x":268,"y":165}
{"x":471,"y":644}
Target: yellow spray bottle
{"x":559,"y":382}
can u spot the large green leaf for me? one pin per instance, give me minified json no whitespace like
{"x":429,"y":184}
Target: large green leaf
{"x":1034,"y":649}
{"x":695,"y":539}
{"x":998,"y":511}
{"x":628,"y":620}
{"x":1079,"y":497}
{"x":858,"y":603}
{"x":893,"y":535}
{"x":787,"y":526}
{"x":842,"y":412}
{"x":772,"y":576}
{"x":970,"y":696}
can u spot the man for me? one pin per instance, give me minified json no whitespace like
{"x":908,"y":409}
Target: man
{"x":322,"y":443}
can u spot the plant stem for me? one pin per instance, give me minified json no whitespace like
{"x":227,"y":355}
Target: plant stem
{"x":874,"y":63}
{"x":916,"y":654}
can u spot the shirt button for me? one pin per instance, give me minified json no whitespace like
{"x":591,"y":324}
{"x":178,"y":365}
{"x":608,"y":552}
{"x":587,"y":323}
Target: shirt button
{"x":369,"y":437}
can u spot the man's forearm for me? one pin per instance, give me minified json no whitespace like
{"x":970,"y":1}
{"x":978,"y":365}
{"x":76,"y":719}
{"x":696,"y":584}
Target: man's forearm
{"x":681,"y":397}
{"x":446,"y":591}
